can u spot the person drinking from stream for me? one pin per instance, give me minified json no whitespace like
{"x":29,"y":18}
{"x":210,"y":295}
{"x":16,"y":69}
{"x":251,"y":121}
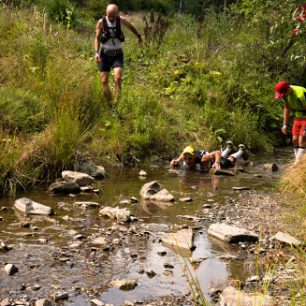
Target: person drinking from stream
{"x":203,"y":161}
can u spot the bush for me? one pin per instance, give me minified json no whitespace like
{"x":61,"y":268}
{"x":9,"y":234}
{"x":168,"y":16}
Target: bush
{"x":61,"y":11}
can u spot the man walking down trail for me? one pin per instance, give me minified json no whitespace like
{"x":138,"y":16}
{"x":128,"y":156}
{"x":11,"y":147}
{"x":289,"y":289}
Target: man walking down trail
{"x":294,"y":101}
{"x":110,"y":55}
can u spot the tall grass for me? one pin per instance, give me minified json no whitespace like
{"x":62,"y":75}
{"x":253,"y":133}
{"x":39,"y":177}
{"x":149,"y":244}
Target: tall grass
{"x":191,"y":83}
{"x":9,"y":152}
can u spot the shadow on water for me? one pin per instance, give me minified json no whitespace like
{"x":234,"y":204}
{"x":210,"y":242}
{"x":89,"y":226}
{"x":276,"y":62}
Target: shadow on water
{"x":43,"y":253}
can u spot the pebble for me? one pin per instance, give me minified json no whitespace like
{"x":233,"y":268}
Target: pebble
{"x":10,"y":269}
{"x":150,"y":273}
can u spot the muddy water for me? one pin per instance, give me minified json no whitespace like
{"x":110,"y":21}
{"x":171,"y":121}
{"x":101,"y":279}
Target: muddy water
{"x":44,"y":255}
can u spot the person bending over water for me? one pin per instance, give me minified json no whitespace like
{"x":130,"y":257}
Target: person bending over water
{"x":203,"y":161}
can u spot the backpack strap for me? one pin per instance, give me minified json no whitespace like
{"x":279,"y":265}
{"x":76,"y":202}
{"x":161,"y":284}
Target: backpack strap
{"x":105,"y":26}
{"x":118,"y":25}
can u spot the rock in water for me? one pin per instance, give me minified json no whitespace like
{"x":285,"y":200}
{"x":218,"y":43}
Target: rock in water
{"x":64,"y":186}
{"x":121,"y":215}
{"x":82,"y":179}
{"x":124,"y":284}
{"x":30,"y":207}
{"x":231,"y":234}
{"x":155,"y":192}
{"x":270,"y":167}
{"x":181,"y":239}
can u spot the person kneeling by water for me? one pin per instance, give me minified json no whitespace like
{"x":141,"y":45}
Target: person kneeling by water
{"x":203,"y":161}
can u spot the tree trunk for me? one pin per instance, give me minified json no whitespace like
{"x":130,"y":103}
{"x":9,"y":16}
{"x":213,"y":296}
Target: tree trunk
{"x":181,"y":6}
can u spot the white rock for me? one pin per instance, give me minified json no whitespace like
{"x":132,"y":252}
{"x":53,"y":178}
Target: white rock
{"x":124,"y":284}
{"x":181,"y":239}
{"x":28,"y":207}
{"x":96,"y":302}
{"x":232,"y":297}
{"x":142,"y":173}
{"x":99,"y":241}
{"x":10,"y":269}
{"x":43,"y":302}
{"x":82,"y":179}
{"x":286,"y":238}
{"x":5,"y":302}
{"x":156,"y":192}
{"x":119,"y":214}
{"x":87,"y":204}
{"x":60,"y":296}
{"x":231,"y":234}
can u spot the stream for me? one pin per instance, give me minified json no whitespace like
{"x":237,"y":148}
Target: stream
{"x":50,"y":258}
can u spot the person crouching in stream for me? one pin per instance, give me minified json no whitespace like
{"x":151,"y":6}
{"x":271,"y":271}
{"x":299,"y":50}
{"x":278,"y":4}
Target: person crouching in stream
{"x":203,"y":161}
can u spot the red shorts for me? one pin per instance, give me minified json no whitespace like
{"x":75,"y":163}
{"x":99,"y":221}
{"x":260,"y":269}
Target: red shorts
{"x":299,"y":125}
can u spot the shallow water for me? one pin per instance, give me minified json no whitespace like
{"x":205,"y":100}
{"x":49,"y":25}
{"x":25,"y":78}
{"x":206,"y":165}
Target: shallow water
{"x":86,"y":273}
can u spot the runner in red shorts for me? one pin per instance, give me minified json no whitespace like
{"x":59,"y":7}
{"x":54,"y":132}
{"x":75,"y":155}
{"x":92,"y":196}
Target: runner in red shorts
{"x":294,"y":101}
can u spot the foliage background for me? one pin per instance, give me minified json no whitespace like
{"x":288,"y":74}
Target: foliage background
{"x":202,"y":77}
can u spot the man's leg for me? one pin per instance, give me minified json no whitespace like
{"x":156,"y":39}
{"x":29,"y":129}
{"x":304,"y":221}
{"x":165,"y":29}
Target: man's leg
{"x":117,"y":76}
{"x":295,"y":142}
{"x":228,"y":150}
{"x":296,"y":134}
{"x":105,"y":83}
{"x":301,"y":141}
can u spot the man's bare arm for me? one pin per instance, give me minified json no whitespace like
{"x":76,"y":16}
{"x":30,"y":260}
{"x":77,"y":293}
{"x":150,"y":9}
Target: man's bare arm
{"x":99,"y":29}
{"x":131,"y":27}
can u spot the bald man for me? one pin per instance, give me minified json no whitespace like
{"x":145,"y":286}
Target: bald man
{"x":107,"y":44}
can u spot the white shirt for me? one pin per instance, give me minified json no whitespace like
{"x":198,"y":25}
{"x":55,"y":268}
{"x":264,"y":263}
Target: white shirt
{"x":112,"y":43}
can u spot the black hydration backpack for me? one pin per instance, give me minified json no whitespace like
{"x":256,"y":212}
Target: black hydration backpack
{"x":106,"y":34}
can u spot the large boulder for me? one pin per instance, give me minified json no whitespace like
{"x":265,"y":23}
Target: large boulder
{"x":90,"y":168}
{"x":119,"y":214}
{"x":64,"y":186}
{"x":30,"y":207}
{"x":231,"y":234}
{"x":82,"y":179}
{"x":181,"y":239}
{"x":155,"y":192}
{"x":233,"y":297}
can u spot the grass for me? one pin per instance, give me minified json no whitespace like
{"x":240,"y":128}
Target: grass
{"x":180,"y":87}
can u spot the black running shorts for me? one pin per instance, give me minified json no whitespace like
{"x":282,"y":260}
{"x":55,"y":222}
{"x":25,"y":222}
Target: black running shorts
{"x":112,"y":60}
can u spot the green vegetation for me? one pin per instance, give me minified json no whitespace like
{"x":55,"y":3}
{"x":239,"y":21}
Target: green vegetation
{"x":192,"y":81}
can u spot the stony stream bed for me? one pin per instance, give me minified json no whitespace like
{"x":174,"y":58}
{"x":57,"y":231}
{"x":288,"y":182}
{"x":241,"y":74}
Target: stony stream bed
{"x":58,"y":258}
